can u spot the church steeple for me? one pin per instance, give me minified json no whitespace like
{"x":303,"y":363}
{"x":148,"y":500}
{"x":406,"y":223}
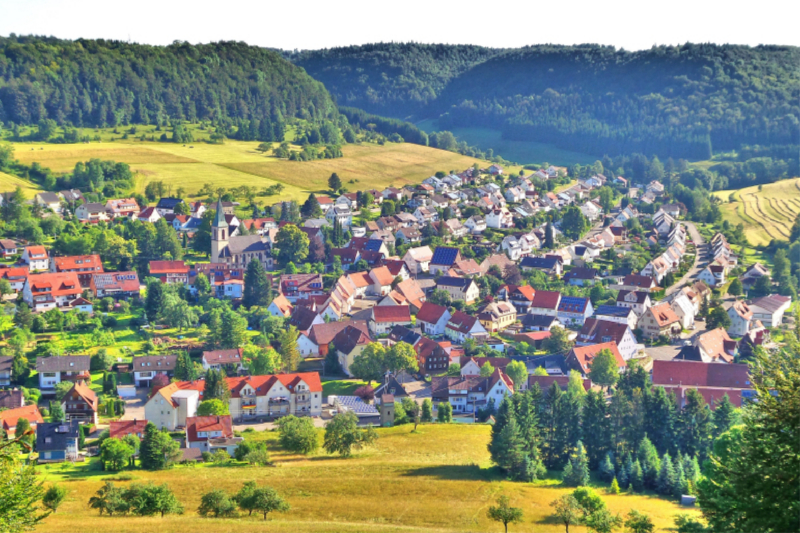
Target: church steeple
{"x":219,"y":234}
{"x":219,"y":218}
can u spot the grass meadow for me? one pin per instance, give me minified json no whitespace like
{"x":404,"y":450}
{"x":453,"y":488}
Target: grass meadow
{"x":767,"y":214}
{"x":9,"y":183}
{"x":438,"y":479}
{"x":236,"y":163}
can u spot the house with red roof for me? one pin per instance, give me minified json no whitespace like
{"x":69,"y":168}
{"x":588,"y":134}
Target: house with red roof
{"x":659,"y":320}
{"x":170,"y":272}
{"x":122,"y":207}
{"x":386,"y":317}
{"x":81,"y":404}
{"x":211,"y":433}
{"x":43,"y":292}
{"x":83,"y":265}
{"x":16,"y":276}
{"x":580,"y":357}
{"x":294,"y":286}
{"x":545,"y":303}
{"x":349,"y":343}
{"x":462,"y":326}
{"x":9,"y":418}
{"x":280,"y":306}
{"x":432,"y":318}
{"x":315,"y":343}
{"x":149,"y":214}
{"x":711,"y":380}
{"x":522,"y":297}
{"x":36,"y":258}
{"x":596,"y":331}
{"x":382,"y":280}
{"x":115,"y":284}
{"x":467,"y":394}
{"x":121,"y":428}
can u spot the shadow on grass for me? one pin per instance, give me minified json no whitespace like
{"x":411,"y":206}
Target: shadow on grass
{"x":458,"y":472}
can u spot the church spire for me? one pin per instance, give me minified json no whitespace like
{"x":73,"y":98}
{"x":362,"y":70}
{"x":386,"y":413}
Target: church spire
{"x":219,"y":218}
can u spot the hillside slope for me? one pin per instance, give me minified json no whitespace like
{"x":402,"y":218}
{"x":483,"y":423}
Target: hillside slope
{"x":679,"y":101}
{"x":392,"y":79}
{"x":97,"y":83}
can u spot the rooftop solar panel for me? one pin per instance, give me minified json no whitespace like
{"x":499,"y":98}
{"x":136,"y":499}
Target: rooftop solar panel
{"x":444,"y":256}
{"x":357,"y":405}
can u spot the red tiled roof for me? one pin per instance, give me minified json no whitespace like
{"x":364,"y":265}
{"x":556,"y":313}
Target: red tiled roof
{"x":73,"y":263}
{"x":197,"y":424}
{"x":529,"y":292}
{"x":168,"y":267}
{"x":546,"y":299}
{"x":223,"y":357}
{"x":382,"y":275}
{"x":121,"y":428}
{"x":697,"y":373}
{"x":60,"y":284}
{"x":9,"y":417}
{"x":431,"y":313}
{"x":584,"y":355}
{"x":391,"y":313}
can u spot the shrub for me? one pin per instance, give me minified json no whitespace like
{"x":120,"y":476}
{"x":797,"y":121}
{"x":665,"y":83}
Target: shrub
{"x":216,"y":503}
{"x":298,"y":434}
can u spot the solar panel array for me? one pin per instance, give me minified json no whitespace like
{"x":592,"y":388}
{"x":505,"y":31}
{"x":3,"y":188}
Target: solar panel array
{"x":612,"y":310}
{"x":444,"y":256}
{"x":357,"y":405}
{"x":572,"y":304}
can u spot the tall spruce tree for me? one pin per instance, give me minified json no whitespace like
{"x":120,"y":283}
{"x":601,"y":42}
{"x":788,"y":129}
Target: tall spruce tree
{"x":695,"y":425}
{"x":184,"y":367}
{"x":724,"y":416}
{"x":595,"y":427}
{"x":257,"y":286}
{"x":666,"y":476}
{"x":649,"y":459}
{"x":659,"y":424}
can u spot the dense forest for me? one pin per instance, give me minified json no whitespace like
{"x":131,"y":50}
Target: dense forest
{"x":671,"y":101}
{"x":110,"y":83}
{"x":392,"y":79}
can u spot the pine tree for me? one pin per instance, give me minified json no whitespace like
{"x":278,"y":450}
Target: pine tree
{"x":614,"y":489}
{"x":311,"y":207}
{"x":554,"y":446}
{"x":576,"y":474}
{"x":659,"y":424}
{"x":666,"y":476}
{"x":184,"y":367}
{"x":681,"y":485}
{"x":257,"y":285}
{"x":505,"y":413}
{"x":623,"y":477}
{"x":528,"y":421}
{"x":724,"y":416}
{"x":607,"y":472}
{"x":595,"y":425}
{"x":651,"y":464}
{"x":695,"y":425}
{"x":637,"y":476}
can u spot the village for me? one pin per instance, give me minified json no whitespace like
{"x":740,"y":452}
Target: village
{"x":477,"y":284}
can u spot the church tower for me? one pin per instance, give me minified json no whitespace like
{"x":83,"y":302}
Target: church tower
{"x":219,"y":234}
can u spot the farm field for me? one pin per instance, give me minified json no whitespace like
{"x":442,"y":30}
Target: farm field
{"x":237,"y":163}
{"x":523,"y":152}
{"x":438,"y":479}
{"x":767,"y":214}
{"x":8,"y":183}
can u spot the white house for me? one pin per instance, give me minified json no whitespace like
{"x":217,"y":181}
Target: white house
{"x":770,"y":309}
{"x":499,"y":218}
{"x":432,"y":319}
{"x":741,"y":319}
{"x":684,"y":308}
{"x":36,"y":258}
{"x":170,"y":406}
{"x":218,"y":359}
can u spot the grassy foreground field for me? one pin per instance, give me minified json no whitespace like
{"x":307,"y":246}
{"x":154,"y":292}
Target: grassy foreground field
{"x":238,"y":163}
{"x":9,"y":183}
{"x":767,"y":214}
{"x":438,"y":479}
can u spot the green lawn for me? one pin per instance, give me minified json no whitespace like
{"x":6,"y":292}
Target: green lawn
{"x":341,"y":387}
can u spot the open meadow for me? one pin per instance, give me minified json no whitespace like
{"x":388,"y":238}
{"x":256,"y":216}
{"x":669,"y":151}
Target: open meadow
{"x":438,"y":479}
{"x":767,"y":214}
{"x":235,"y":163}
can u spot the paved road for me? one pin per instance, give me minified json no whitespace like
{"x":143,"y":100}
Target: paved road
{"x":134,"y":407}
{"x":699,"y":259}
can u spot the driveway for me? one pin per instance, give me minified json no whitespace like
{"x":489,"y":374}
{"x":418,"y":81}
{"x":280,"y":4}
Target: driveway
{"x":134,"y":407}
{"x":701,"y":251}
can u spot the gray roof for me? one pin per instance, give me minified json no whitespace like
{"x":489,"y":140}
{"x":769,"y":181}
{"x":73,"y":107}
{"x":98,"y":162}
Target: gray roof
{"x":49,"y":197}
{"x":64,"y":363}
{"x":246,"y":243}
{"x":59,"y":434}
{"x":156,"y":362}
{"x":6,"y":363}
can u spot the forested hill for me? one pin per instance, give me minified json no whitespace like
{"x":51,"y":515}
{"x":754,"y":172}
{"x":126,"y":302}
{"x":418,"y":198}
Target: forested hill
{"x":96,"y":82}
{"x":392,"y":79}
{"x":679,"y":101}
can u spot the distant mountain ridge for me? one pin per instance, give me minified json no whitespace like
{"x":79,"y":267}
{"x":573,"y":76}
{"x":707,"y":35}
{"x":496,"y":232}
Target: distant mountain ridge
{"x":673,"y":101}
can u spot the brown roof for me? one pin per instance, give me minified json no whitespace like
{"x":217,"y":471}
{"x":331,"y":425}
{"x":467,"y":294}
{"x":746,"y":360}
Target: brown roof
{"x":382,"y":275}
{"x":663,"y":314}
{"x":350,"y":337}
{"x":546,"y":299}
{"x":716,"y":343}
{"x":391,"y":313}
{"x":697,"y":373}
{"x":121,"y":428}
{"x":63,"y":363}
{"x":197,"y":424}
{"x":584,"y":355}
{"x":431,"y":312}
{"x":223,"y":357}
{"x":168,"y":267}
{"x":84,"y":392}
{"x":323,"y":334}
{"x":75,"y":263}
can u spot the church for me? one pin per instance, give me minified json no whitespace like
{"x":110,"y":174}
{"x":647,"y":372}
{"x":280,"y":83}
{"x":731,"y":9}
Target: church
{"x":236,"y":251}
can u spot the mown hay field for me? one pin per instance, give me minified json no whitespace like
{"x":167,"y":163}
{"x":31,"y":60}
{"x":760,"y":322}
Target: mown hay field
{"x":237,"y":163}
{"x":767,"y":214}
{"x":9,"y":183}
{"x":438,"y":479}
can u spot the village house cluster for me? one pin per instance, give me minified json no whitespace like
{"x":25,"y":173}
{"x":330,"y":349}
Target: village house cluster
{"x":428,"y":297}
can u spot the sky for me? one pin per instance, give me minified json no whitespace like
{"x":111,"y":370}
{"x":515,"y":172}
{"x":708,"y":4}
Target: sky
{"x":312,"y":24}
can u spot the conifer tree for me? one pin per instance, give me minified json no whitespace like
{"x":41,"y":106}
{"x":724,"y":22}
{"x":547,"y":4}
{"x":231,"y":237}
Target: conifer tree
{"x":595,"y":426}
{"x":666,"y":476}
{"x":576,"y":474}
{"x":695,"y":425}
{"x":623,"y":477}
{"x":681,"y":484}
{"x":184,"y":367}
{"x":257,"y":286}
{"x":724,"y":416}
{"x":659,"y":424}
{"x":651,"y":464}
{"x":637,"y":476}
{"x":614,"y":489}
{"x":607,"y":471}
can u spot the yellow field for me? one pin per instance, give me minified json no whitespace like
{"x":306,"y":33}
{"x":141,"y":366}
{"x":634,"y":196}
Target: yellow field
{"x":438,"y":479}
{"x":766,"y":215}
{"x":8,"y":183}
{"x":238,"y":163}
